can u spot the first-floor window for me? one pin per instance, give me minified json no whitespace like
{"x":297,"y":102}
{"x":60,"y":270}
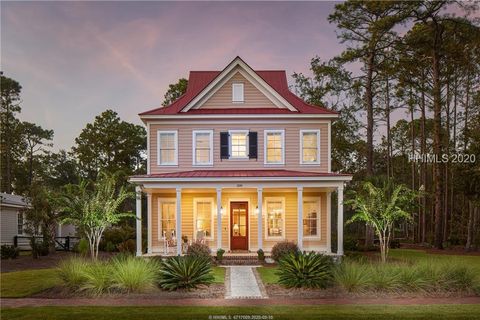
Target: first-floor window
{"x":167,"y":148}
{"x":20,"y":223}
{"x":203,"y":217}
{"x":311,"y":217}
{"x":166,"y":218}
{"x":275,"y":208}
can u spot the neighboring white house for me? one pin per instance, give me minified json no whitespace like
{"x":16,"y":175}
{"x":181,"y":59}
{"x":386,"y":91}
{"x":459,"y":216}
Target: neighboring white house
{"x":12,"y":219}
{"x":11,"y":216}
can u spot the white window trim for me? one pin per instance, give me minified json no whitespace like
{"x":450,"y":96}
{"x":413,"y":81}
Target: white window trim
{"x":265,"y":210}
{"x":159,"y":214}
{"x":233,"y":92}
{"x":18,"y":222}
{"x":230,"y":132}
{"x":194,"y":148}
{"x":212,"y":227}
{"x":265,"y":134}
{"x":319,"y":215}
{"x":301,"y":146}
{"x":175,"y":132}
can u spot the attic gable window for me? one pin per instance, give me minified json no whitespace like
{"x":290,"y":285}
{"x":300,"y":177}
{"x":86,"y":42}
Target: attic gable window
{"x":237,"y":93}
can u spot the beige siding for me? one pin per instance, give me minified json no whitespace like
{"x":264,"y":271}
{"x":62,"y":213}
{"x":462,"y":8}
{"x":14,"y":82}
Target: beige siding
{"x":292,"y":146}
{"x":291,"y":218}
{"x":223,"y":97}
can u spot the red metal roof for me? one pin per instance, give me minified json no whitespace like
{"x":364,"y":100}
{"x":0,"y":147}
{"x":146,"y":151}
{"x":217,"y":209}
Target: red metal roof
{"x":241,"y":173}
{"x":277,"y":79}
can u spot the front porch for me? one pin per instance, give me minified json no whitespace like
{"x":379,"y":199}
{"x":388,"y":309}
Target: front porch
{"x":229,"y":216}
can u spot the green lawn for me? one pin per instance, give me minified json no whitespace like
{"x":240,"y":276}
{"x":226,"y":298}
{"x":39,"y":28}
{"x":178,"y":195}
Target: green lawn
{"x":267,"y":274}
{"x":421,"y":256}
{"x":25,"y":283}
{"x":276,"y":312}
{"x":219,"y":274}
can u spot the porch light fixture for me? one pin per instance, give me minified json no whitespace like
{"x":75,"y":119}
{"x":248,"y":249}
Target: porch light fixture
{"x":222,"y":211}
{"x":256,"y":211}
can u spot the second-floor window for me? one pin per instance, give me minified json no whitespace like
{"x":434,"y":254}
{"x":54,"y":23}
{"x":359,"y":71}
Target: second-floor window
{"x":274,"y":146}
{"x":203,"y":147}
{"x":238,"y":144}
{"x":310,"y":146}
{"x":167,"y":148}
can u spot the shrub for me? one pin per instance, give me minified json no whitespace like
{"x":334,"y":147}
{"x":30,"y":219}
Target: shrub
{"x":81,"y":247}
{"x":386,"y":278}
{"x":71,"y":272}
{"x":394,"y":244}
{"x":116,"y":235}
{"x":350,"y":244}
{"x":220,"y":253}
{"x":310,"y":270}
{"x":185,"y":272}
{"x":353,"y":277}
{"x":127,"y":246}
{"x":261,"y":255}
{"x":283,"y":248}
{"x":198,"y":249}
{"x":131,"y":274}
{"x":9,"y":252}
{"x":110,"y":247}
{"x":43,"y":248}
{"x":98,"y":278}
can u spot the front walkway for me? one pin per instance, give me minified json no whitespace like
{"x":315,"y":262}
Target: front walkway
{"x":242,"y":283}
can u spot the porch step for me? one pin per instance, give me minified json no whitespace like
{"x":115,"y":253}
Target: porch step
{"x":240,"y":260}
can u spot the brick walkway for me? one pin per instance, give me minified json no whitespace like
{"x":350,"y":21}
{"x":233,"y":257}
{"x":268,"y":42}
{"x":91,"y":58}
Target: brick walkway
{"x":32,"y":302}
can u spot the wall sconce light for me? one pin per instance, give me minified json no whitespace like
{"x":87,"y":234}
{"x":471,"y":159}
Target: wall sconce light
{"x":222,"y":211}
{"x":256,"y":211}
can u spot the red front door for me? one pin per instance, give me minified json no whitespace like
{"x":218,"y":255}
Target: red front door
{"x":239,"y":225}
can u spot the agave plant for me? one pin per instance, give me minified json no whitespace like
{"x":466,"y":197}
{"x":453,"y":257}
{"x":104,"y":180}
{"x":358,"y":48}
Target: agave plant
{"x":186,"y":272}
{"x":310,"y":270}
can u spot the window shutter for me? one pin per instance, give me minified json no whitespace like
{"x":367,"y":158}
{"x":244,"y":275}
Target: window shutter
{"x":224,"y":147}
{"x":252,"y":145}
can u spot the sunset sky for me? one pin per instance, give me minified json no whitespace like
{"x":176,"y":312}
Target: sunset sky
{"x":76,"y":59}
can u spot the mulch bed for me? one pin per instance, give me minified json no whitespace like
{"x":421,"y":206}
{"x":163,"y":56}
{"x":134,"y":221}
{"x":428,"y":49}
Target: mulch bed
{"x":277,"y":291}
{"x":214,"y":291}
{"x":44,"y":262}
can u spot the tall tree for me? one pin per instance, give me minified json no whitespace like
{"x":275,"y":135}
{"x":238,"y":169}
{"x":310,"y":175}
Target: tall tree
{"x":175,"y":91}
{"x":9,"y":130}
{"x":110,"y":144}
{"x":36,"y":139}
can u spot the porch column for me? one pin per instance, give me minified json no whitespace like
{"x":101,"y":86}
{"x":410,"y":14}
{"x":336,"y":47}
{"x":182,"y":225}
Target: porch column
{"x":138,"y":193}
{"x":260,"y":217}
{"x":340,"y":221}
{"x":178,"y":223}
{"x":219,"y":218}
{"x":300,"y":218}
{"x":149,"y":223}
{"x":329,"y":222}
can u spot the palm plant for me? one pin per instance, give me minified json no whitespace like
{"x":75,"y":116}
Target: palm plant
{"x":381,"y":208}
{"x":310,"y":270}
{"x":186,"y":272}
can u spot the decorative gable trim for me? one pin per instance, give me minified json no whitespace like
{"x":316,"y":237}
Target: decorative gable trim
{"x":238,"y":65}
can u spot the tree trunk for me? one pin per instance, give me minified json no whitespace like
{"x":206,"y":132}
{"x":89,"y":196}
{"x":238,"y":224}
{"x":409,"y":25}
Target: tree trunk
{"x":437,"y":141}
{"x":470,"y":228}
{"x":447,"y":148}
{"x":467,"y":104}
{"x":389,"y":138}
{"x":369,"y":106}
{"x":412,"y":137}
{"x":423,"y":166}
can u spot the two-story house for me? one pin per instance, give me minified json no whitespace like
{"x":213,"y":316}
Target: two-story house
{"x":240,"y":163}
